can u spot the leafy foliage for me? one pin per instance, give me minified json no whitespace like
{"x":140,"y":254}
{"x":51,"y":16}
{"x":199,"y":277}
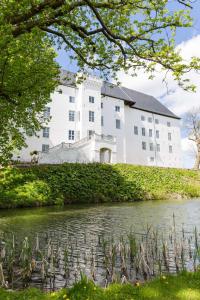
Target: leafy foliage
{"x":93,"y":183}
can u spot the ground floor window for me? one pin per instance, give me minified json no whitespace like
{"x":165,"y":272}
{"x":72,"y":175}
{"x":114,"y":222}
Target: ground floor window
{"x":45,"y":148}
{"x":71,"y":135}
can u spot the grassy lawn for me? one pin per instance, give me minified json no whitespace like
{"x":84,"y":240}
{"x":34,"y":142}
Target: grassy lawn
{"x":185,"y":286}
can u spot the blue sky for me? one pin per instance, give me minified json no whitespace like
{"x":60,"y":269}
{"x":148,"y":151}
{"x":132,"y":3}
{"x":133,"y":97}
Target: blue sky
{"x":178,"y":100}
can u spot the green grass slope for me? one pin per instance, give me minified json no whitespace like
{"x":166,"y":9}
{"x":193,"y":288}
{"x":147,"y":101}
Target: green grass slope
{"x":93,"y":183}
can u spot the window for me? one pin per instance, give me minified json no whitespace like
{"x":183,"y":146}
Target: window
{"x":168,"y":124}
{"x":101,"y":104}
{"x":170,"y":148}
{"x":45,"y":148}
{"x":156,"y":121}
{"x":158,"y":147}
{"x":102,"y":121}
{"x":117,"y":108}
{"x":91,"y":116}
{"x":118,"y":125}
{"x":136,"y":130}
{"x":46,"y":113}
{"x":46,"y":132}
{"x":71,"y":99}
{"x":71,"y":115}
{"x":151,"y":146}
{"x":144,"y":147}
{"x":71,"y":135}
{"x":91,"y":99}
{"x":150,"y":132}
{"x":169,"y":136}
{"x":151,"y":159}
{"x":143,"y":131}
{"x":29,"y":132}
{"x":143,"y":118}
{"x":150,"y":120}
{"x":90,"y":133}
{"x":157,"y":134}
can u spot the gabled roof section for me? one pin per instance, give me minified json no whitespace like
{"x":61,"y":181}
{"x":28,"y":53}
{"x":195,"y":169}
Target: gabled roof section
{"x":136,"y":99}
{"x":131,"y":97}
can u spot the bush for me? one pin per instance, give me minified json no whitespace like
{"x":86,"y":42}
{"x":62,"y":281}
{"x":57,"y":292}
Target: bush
{"x":93,"y":183}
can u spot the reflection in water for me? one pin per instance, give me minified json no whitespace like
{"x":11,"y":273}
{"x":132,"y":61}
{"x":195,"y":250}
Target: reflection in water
{"x":80,"y":232}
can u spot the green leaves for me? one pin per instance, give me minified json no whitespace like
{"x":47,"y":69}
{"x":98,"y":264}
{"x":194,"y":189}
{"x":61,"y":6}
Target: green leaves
{"x":93,"y":183}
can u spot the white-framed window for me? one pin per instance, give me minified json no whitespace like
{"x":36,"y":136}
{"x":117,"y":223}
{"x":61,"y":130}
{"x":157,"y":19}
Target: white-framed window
{"x":71,"y":135}
{"x":45,"y":148}
{"x":29,"y":132}
{"x":102,"y":121}
{"x":168,"y":124}
{"x":156,"y":121}
{"x":91,"y":99}
{"x":118,"y":124}
{"x":150,"y":132}
{"x":101,"y":104}
{"x":152,"y":159}
{"x":151,"y":146}
{"x":158,"y":147}
{"x":91,"y":116}
{"x":46,"y":113}
{"x":117,"y":108}
{"x":169,"y":136}
{"x":144,"y":146}
{"x":170,"y":149}
{"x":142,"y":118}
{"x":135,"y":130}
{"x":157,"y":134}
{"x":143,"y":131}
{"x":150,"y":120}
{"x":46,"y":132}
{"x":90,"y":133}
{"x":71,"y":115}
{"x":71,"y":99}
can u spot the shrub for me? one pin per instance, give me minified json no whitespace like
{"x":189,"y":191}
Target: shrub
{"x":93,"y":183}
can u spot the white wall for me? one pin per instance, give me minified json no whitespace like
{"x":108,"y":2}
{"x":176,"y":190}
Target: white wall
{"x":128,"y":145}
{"x":109,"y":116}
{"x":134,"y":152}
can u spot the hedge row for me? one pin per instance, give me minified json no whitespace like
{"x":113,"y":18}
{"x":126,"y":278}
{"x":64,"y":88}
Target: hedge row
{"x":93,"y":183}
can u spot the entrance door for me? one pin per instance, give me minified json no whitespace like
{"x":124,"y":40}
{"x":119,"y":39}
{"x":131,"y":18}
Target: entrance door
{"x":105,"y":155}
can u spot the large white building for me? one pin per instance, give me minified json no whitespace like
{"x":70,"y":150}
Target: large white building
{"x":98,"y":121}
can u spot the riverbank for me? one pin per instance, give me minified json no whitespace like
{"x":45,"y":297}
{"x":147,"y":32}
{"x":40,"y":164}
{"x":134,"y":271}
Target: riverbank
{"x":93,"y":183}
{"x":185,"y":286}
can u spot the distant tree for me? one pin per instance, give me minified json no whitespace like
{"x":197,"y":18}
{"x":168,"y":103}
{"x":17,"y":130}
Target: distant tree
{"x":192,"y":123}
{"x":103,"y":35}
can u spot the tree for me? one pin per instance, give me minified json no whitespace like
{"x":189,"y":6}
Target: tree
{"x":192,"y":123}
{"x":103,"y":35}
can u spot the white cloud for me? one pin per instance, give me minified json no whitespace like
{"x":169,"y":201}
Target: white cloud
{"x":175,"y":98}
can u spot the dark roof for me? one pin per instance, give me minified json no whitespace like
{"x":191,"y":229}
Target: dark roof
{"x":135,"y":99}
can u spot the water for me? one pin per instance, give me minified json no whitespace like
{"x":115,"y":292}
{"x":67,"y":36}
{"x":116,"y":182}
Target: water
{"x":82,"y":227}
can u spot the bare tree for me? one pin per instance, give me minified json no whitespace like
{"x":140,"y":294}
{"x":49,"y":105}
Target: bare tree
{"x":192,"y":123}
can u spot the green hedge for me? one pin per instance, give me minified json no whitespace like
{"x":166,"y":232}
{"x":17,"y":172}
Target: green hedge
{"x":93,"y":183}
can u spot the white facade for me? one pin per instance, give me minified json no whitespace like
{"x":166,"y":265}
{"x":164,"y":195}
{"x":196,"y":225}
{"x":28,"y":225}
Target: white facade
{"x":123,"y":133}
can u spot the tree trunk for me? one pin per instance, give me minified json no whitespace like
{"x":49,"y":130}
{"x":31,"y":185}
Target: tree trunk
{"x":197,"y":161}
